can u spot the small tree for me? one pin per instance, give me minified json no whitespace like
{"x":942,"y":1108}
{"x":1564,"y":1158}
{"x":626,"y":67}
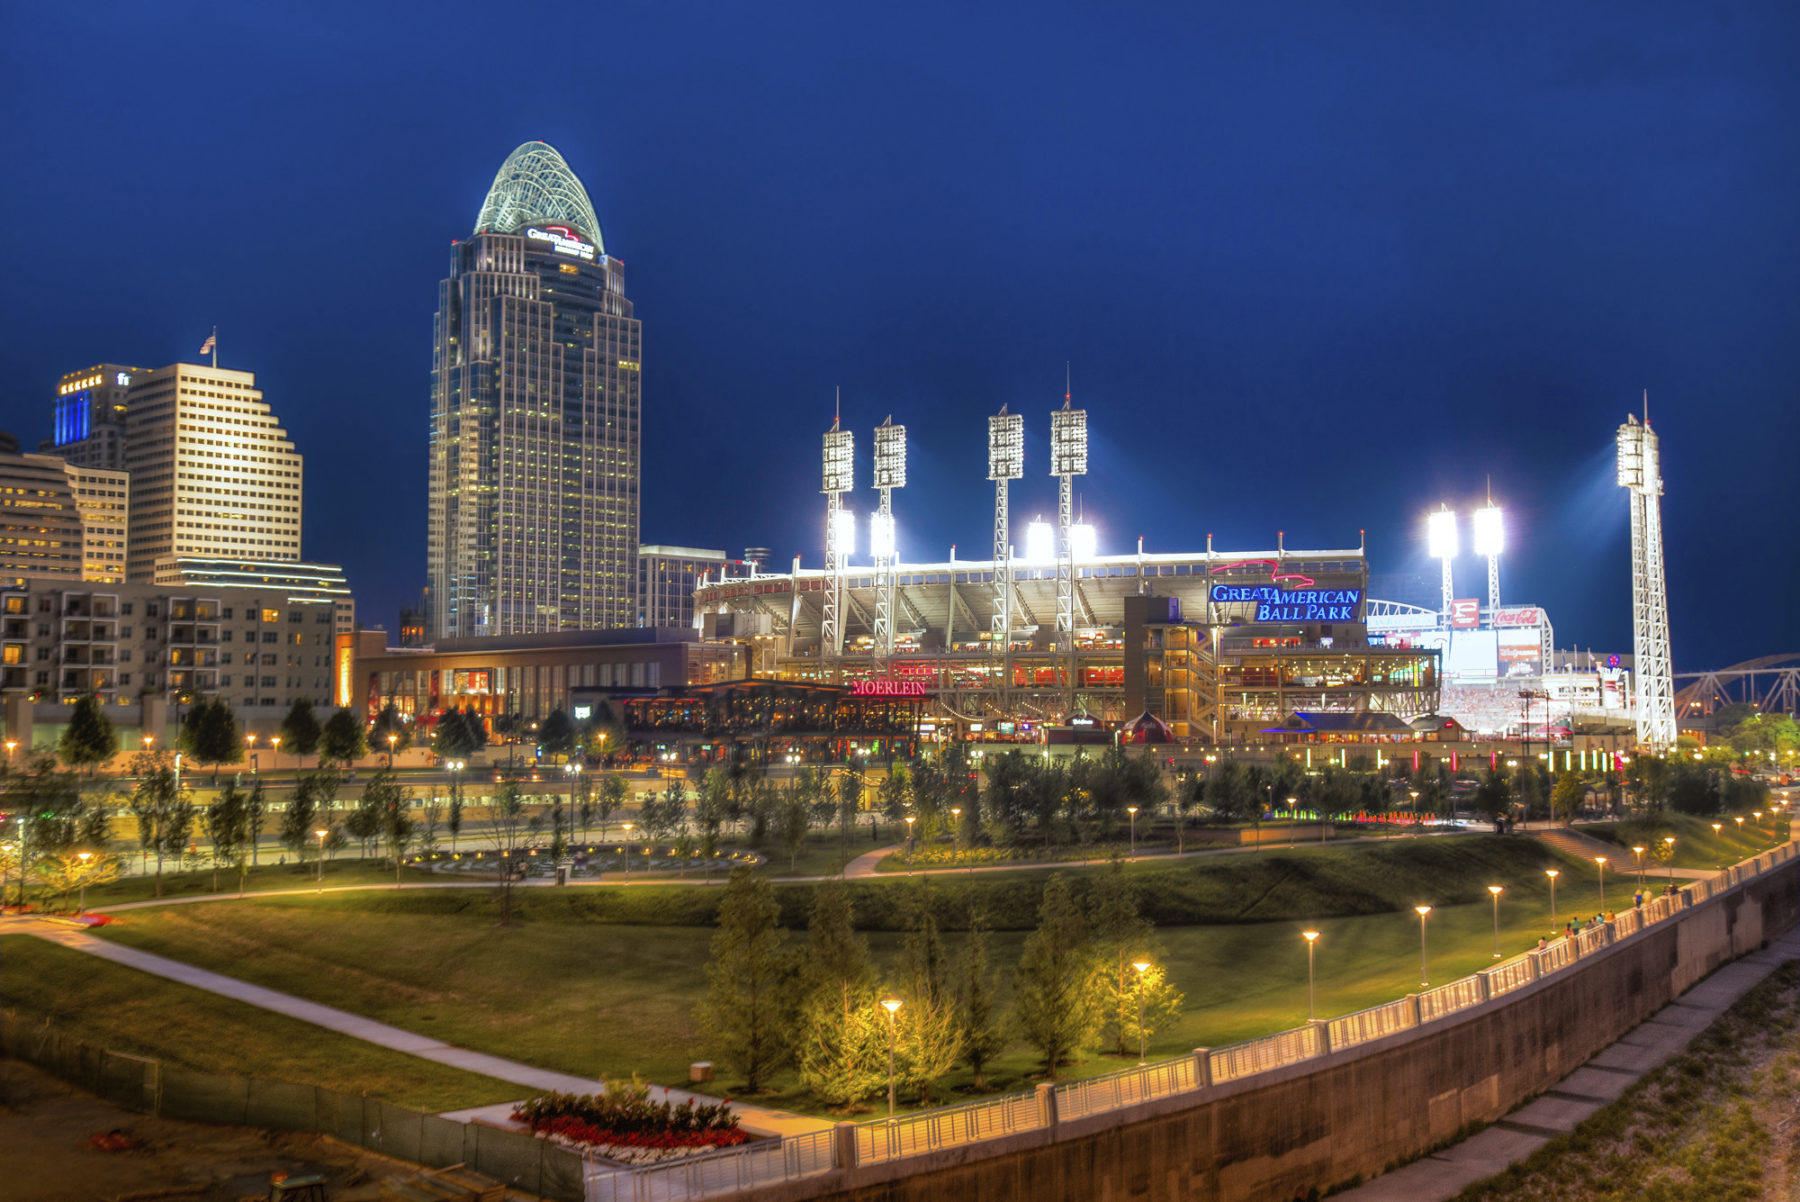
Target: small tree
{"x":300,"y":729}
{"x":453,"y":821}
{"x":227,"y":822}
{"x":389,"y":722}
{"x":512,"y":831}
{"x":210,"y":735}
{"x":557,"y":735}
{"x":54,"y":815}
{"x":978,"y":1018}
{"x":1566,"y":796}
{"x":929,"y":1027}
{"x":1122,"y":938}
{"x":397,"y":826}
{"x":256,"y":813}
{"x":613,"y":792}
{"x":842,"y":1036}
{"x":341,"y":741}
{"x":89,"y":740}
{"x":1052,"y":1004}
{"x":164,"y":815}
{"x":746,"y":1013}
{"x":793,"y":821}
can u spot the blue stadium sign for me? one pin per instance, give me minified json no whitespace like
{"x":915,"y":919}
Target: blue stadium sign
{"x":1292,"y":605}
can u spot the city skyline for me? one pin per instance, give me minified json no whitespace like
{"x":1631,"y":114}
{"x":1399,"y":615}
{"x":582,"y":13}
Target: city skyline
{"x":1313,"y":300}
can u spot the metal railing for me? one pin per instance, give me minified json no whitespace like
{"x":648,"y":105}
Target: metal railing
{"x":1377,"y":1022}
{"x":765,"y":1162}
{"x":929,"y":1130}
{"x":1128,"y":1087}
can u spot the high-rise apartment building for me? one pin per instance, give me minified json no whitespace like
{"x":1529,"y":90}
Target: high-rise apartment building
{"x":61,"y":522}
{"x":90,"y":416}
{"x":212,"y":471}
{"x":534,"y":453}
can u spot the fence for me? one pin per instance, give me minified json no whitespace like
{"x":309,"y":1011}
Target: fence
{"x":719,"y":1173}
{"x":169,"y":1091}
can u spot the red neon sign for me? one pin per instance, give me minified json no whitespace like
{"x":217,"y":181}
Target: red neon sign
{"x":888,"y":688}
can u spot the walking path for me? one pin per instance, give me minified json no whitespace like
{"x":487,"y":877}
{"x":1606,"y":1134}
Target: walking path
{"x":1596,"y":1084}
{"x":757,"y":1119}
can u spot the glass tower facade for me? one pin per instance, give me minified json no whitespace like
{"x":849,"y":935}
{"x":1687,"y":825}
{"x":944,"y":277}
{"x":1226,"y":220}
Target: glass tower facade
{"x":534,"y":452}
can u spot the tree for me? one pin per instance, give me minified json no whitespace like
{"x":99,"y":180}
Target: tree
{"x":711,"y":804}
{"x":227,"y":822}
{"x":459,"y":733}
{"x":978,"y":1018}
{"x":1052,"y":1004}
{"x":55,"y":816}
{"x":746,"y":1013}
{"x":512,"y":832}
{"x":1494,"y":795}
{"x":557,"y":735}
{"x":1228,"y":792}
{"x":793,"y":821}
{"x":431,"y":812}
{"x":66,"y":872}
{"x":842,"y":1035}
{"x":390,"y":722}
{"x":1189,"y":796}
{"x":929,"y":1037}
{"x":1566,"y":796}
{"x":314,"y":795}
{"x":89,"y":740}
{"x":849,"y":798}
{"x":164,"y":815}
{"x":256,"y":812}
{"x":300,"y":729}
{"x":341,"y":741}
{"x":896,"y":794}
{"x":1123,"y":938}
{"x":210,"y":735}
{"x":613,"y":794}
{"x":397,"y":826}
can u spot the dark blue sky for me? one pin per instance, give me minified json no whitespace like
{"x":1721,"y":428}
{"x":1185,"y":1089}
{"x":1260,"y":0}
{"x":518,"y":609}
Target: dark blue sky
{"x":1317,"y":266}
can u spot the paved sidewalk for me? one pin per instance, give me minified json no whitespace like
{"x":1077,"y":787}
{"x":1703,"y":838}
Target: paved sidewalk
{"x":757,"y":1119}
{"x":1595,"y":1084}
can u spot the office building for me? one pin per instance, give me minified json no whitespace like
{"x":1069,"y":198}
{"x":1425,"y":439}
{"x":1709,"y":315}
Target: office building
{"x":667,"y":577}
{"x":60,"y":521}
{"x":212,"y":471}
{"x":89,"y":420}
{"x":534,"y":451}
{"x":320,"y":583}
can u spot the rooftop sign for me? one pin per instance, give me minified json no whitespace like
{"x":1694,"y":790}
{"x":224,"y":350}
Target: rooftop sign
{"x":563,"y":240}
{"x":1275,"y":604}
{"x":888,"y":688}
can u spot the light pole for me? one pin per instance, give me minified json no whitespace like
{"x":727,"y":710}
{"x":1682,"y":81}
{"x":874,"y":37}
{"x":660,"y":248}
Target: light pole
{"x":909,"y":844}
{"x":392,"y":739}
{"x":1142,"y":966}
{"x":1496,"y":891}
{"x":1415,"y":801}
{"x":275,"y":744}
{"x":628,"y":849}
{"x":1670,"y":840}
{"x":1312,"y":941}
{"x":321,"y":833}
{"x":1718,"y":849}
{"x":1132,"y":810}
{"x":84,"y":857}
{"x":1552,"y":873}
{"x":1600,"y":868}
{"x":1424,"y":976}
{"x":892,"y":1006}
{"x":1637,"y":849}
{"x":956,"y":834}
{"x":149,"y":742}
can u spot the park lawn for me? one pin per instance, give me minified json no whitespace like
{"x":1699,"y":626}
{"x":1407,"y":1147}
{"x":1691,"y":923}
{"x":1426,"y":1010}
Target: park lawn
{"x":1696,"y":846}
{"x":265,"y":877}
{"x":568,"y":990}
{"x":135,"y":1012}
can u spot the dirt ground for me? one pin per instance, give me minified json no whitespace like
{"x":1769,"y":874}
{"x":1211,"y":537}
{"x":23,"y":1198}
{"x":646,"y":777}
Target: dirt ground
{"x":48,"y":1152}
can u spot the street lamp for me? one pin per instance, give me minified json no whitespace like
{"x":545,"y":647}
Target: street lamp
{"x":1424,"y":976}
{"x":1552,"y":873}
{"x":84,"y":857}
{"x":275,"y":743}
{"x":392,"y":739}
{"x":628,"y":849}
{"x":1141,"y":966}
{"x":892,"y":1006}
{"x":1415,"y":806}
{"x":1670,"y":840}
{"x":909,"y":844}
{"x":149,"y":740}
{"x":1718,"y":848}
{"x":1132,"y":810}
{"x":956,"y":834}
{"x":1496,"y":891}
{"x":12,"y":745}
{"x":321,"y":833}
{"x":1637,"y":850}
{"x":1600,"y":867}
{"x":1312,"y":940}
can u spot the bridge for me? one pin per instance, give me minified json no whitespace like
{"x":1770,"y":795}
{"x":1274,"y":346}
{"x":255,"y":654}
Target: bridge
{"x":1770,"y":683}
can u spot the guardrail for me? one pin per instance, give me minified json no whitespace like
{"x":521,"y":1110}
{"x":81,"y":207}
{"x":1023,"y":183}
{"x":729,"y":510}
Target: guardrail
{"x":713,"y":1174}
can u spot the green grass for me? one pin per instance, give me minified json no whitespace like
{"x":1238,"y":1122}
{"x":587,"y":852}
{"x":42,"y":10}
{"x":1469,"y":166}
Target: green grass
{"x":585,"y":984}
{"x":1696,"y":845}
{"x":130,"y":1011}
{"x":1703,"y":1126}
{"x":263,"y":878}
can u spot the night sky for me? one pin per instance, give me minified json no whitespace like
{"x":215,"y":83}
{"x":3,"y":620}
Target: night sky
{"x":1317,"y":267}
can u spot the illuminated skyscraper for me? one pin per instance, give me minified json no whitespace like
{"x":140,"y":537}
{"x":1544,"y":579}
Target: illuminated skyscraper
{"x":534,"y":455}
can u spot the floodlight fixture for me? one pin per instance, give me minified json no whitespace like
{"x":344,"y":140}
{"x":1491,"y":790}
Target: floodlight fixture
{"x":1068,"y":441}
{"x":881,"y":535}
{"x":843,"y":532}
{"x":890,"y":455}
{"x":1006,"y":445}
{"x":1084,"y":541}
{"x":1440,"y":535}
{"x":1489,"y":531}
{"x":840,"y":461}
{"x":1040,"y":542}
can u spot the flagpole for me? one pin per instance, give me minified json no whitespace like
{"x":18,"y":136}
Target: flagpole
{"x":215,"y":346}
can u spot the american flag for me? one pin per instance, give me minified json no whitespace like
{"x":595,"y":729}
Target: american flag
{"x":207,"y":346}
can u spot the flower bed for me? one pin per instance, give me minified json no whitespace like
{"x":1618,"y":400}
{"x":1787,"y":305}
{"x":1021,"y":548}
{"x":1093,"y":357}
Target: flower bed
{"x":623,"y":1124}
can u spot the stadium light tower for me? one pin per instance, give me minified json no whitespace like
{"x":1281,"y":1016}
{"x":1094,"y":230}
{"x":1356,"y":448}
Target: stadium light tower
{"x":1640,"y":472}
{"x":1068,"y":459}
{"x":890,"y":473}
{"x":1440,"y":543}
{"x":840,"y":533}
{"x":1490,"y":540}
{"x":1006,"y":462}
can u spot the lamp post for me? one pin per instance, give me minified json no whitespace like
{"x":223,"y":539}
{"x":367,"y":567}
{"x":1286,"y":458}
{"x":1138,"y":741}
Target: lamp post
{"x":892,"y":1006}
{"x":1415,"y":801}
{"x":1718,"y":848}
{"x":321,"y":833}
{"x":1637,"y":849}
{"x":1600,"y":868}
{"x":275,"y":744}
{"x":1132,"y":810}
{"x":12,"y":745}
{"x":1424,"y":976}
{"x":392,"y":739}
{"x":149,"y":742}
{"x":956,"y":834}
{"x":909,"y":844}
{"x":1496,"y":891}
{"x":1312,"y":941}
{"x":628,"y":849}
{"x":84,"y":857}
{"x":1670,"y":841}
{"x":1552,"y":873}
{"x":1142,"y":966}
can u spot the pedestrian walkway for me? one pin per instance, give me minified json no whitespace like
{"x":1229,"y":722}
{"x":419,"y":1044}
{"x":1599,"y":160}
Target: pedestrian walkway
{"x":757,"y":1119}
{"x":1599,"y":1082}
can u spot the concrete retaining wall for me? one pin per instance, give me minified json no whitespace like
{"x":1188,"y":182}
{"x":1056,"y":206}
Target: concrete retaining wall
{"x":1356,"y":1112}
